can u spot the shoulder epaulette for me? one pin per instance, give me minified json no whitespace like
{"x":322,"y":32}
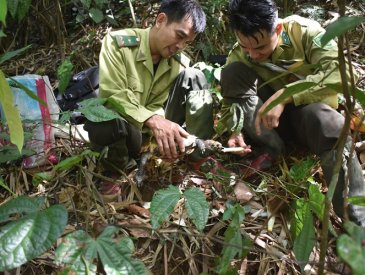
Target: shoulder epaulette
{"x":126,"y":40}
{"x":285,"y":38}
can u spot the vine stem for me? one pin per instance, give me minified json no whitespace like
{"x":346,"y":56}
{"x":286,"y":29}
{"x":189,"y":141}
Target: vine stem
{"x":133,"y":14}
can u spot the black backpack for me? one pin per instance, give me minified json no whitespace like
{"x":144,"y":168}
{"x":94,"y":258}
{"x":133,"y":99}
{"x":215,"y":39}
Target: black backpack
{"x":84,"y":85}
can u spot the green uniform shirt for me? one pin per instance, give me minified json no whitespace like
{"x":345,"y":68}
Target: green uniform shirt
{"x":299,"y":44}
{"x":127,"y":76}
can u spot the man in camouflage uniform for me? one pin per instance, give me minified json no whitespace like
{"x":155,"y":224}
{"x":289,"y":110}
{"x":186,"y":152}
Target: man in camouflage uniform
{"x":266,"y":48}
{"x":145,"y":73}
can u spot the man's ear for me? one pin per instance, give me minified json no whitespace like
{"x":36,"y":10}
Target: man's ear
{"x":279,"y":28}
{"x":160,"y":19}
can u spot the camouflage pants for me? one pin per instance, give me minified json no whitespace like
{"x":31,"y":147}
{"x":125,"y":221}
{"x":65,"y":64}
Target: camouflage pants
{"x":317,"y":126}
{"x":189,"y":102}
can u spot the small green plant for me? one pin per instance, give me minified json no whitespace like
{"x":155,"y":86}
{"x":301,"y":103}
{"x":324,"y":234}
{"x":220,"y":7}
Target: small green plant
{"x":236,"y":242}
{"x":28,"y":229}
{"x":79,"y":253}
{"x":305,"y":210}
{"x":164,"y":202}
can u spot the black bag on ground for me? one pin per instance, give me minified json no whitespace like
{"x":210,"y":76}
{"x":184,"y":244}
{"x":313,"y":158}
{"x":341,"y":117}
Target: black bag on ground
{"x":84,"y":85}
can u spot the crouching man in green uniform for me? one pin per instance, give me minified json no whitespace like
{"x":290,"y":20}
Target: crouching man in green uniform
{"x":266,"y":47}
{"x":146,"y":73}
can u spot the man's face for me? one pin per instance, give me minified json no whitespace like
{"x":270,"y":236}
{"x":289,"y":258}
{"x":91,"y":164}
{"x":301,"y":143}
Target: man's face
{"x":260,"y":46}
{"x":173,"y":37}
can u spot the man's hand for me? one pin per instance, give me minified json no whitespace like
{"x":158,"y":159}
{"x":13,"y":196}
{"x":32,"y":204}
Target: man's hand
{"x":271,"y":118}
{"x":236,"y":140}
{"x":168,"y":134}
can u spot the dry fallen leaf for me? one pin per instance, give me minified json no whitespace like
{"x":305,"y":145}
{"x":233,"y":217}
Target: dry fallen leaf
{"x":243,"y":192}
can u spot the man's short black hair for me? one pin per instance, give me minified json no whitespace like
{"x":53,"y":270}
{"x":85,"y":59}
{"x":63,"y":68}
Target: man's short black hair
{"x":250,"y":17}
{"x":177,"y":10}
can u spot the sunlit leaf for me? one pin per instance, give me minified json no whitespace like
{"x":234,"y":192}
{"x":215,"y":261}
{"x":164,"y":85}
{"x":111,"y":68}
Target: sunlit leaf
{"x":11,"y":113}
{"x":316,"y":200}
{"x":162,"y":205}
{"x":64,"y":74}
{"x":28,"y":237}
{"x":302,"y":170}
{"x":96,"y":15}
{"x":340,"y":26}
{"x":357,"y":200}
{"x":304,"y":243}
{"x":3,"y":10}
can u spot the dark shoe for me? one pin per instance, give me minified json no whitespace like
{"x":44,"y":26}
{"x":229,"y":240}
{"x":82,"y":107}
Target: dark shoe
{"x":261,"y":163}
{"x":109,"y":190}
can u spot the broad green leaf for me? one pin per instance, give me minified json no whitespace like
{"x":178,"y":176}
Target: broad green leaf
{"x":340,"y":26}
{"x":79,"y":251}
{"x":94,"y":110}
{"x":64,"y":74}
{"x":316,"y":200}
{"x":8,"y":55}
{"x":21,"y":205}
{"x":71,"y":252}
{"x":96,"y":15}
{"x":357,"y":200}
{"x":12,"y":7}
{"x":300,"y":207}
{"x":3,"y":10}
{"x":352,"y":252}
{"x":11,"y":113}
{"x":304,"y":243}
{"x":3,"y":185}
{"x":197,"y":207}
{"x":30,"y":236}
{"x":290,"y":91}
{"x":38,"y":178}
{"x":302,"y":170}
{"x":23,"y":8}
{"x":238,"y":216}
{"x":116,"y":259}
{"x":162,"y":205}
{"x":10,"y":153}
{"x":355,"y":231}
{"x":99,"y":113}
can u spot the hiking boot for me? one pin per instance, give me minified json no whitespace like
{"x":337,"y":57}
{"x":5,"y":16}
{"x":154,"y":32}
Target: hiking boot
{"x":261,"y":163}
{"x":109,"y":190}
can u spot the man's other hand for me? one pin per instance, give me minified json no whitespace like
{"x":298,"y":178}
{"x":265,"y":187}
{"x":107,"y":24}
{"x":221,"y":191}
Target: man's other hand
{"x":270,"y":120}
{"x":236,"y":140}
{"x":169,"y":135}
